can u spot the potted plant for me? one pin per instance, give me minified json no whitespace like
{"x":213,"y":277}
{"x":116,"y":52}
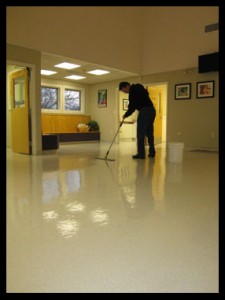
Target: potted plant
{"x":93,"y":125}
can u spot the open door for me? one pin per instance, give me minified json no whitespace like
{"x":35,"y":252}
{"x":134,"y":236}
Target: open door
{"x":20,"y":113}
{"x":155,"y":96}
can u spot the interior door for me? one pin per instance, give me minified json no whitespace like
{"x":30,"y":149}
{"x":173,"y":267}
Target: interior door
{"x":155,"y":96}
{"x":19,"y":89}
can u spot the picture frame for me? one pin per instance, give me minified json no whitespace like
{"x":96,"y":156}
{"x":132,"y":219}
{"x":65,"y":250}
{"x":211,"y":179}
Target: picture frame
{"x":205,"y":89}
{"x":125,"y":104}
{"x":102,"y":98}
{"x":182,"y":91}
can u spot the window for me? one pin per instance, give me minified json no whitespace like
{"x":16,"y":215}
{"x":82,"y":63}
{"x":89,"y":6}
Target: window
{"x":49,"y":98}
{"x":72,"y":100}
{"x":62,"y":99}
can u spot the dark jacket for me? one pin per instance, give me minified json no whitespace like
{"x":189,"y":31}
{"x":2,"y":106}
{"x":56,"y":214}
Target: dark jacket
{"x":138,"y":98}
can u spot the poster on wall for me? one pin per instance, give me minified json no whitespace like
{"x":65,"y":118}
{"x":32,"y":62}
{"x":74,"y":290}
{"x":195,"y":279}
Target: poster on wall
{"x":183,"y":91}
{"x":205,"y":89}
{"x":102,"y":98}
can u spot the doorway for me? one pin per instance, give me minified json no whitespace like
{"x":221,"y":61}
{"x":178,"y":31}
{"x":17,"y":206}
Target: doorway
{"x":158,"y":95}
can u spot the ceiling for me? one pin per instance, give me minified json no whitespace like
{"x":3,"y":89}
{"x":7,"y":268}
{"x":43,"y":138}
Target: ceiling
{"x":49,"y":60}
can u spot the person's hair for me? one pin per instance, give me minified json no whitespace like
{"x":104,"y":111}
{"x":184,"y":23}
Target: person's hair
{"x":123,"y":84}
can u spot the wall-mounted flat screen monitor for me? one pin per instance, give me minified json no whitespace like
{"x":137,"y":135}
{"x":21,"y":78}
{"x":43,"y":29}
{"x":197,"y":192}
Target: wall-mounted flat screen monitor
{"x":208,"y":62}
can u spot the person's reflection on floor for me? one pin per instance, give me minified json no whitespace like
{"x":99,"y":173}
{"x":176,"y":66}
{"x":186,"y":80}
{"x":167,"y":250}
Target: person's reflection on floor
{"x":137,"y":195}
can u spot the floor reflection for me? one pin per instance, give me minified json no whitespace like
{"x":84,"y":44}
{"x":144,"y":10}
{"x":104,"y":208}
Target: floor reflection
{"x":137,"y":191}
{"x":79,"y":224}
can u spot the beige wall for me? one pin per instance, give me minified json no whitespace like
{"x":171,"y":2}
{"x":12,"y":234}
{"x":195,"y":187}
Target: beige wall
{"x":174,"y":37}
{"x":142,"y":40}
{"x":93,"y":34}
{"x":107,"y":117}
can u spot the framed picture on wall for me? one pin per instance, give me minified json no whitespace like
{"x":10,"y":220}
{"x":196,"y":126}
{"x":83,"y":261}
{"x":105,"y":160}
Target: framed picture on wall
{"x":183,"y":91}
{"x":205,"y":89}
{"x":102,"y":98}
{"x":125,"y":104}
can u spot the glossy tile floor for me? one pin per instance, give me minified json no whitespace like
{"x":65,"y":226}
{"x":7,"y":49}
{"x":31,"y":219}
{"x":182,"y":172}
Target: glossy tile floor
{"x":80,"y":224}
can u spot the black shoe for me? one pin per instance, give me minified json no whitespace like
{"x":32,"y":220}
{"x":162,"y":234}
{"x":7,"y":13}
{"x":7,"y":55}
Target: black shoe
{"x":151,"y":155}
{"x":138,"y":156}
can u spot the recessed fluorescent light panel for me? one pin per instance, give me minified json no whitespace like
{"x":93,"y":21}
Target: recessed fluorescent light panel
{"x":47,"y":72}
{"x":75,"y":77}
{"x":98,"y":72}
{"x":67,"y":66}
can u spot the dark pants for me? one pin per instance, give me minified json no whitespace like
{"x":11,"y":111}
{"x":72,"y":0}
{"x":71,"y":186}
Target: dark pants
{"x":145,"y":128}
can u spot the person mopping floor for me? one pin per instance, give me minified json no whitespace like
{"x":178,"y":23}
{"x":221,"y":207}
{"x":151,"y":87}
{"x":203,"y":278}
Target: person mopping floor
{"x":140,"y":100}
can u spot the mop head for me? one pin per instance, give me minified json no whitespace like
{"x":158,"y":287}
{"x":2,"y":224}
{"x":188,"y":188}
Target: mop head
{"x":105,"y":158}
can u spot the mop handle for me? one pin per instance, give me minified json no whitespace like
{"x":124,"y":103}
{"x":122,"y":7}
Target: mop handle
{"x":121,"y":123}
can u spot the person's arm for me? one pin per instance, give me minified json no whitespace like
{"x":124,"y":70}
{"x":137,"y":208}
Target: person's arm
{"x":131,"y":105}
{"x":128,"y":112}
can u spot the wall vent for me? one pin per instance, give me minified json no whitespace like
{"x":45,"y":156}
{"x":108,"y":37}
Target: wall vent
{"x":212,"y":27}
